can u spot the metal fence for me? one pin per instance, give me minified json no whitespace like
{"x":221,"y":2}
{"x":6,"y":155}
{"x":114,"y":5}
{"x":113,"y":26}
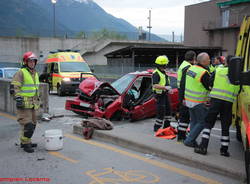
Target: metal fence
{"x":102,"y":71}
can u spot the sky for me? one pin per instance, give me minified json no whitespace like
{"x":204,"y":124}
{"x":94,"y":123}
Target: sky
{"x":167,"y":16}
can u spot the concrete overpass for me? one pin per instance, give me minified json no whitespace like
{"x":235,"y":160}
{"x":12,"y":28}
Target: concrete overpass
{"x":93,"y":51}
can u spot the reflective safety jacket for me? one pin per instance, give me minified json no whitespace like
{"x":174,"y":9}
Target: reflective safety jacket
{"x":195,"y":91}
{"x":211,"y":68}
{"x":179,"y":72}
{"x":222,"y":88}
{"x":163,"y":81}
{"x":28,"y":88}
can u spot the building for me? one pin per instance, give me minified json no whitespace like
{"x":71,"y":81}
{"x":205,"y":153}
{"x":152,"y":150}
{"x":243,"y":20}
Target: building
{"x":215,"y":23}
{"x":143,"y":55}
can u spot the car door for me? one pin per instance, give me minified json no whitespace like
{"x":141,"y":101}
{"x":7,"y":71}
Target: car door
{"x":144,"y":105}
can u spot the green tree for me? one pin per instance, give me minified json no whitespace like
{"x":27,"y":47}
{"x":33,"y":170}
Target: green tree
{"x":107,"y":34}
{"x":81,"y":34}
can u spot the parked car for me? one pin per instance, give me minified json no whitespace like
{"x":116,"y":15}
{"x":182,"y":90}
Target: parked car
{"x":130,"y":97}
{"x":8,"y":73}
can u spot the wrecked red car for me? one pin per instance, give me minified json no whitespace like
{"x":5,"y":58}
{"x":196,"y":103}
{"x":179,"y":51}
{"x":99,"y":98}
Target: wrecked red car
{"x":128,"y":97}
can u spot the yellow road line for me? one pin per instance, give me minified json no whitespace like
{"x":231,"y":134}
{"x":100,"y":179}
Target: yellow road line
{"x":152,"y":162}
{"x":7,"y":115}
{"x":57,"y":154}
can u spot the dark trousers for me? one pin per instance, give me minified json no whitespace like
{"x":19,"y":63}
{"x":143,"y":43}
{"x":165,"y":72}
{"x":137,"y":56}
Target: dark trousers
{"x":162,"y":108}
{"x":224,"y":108}
{"x":183,"y":122}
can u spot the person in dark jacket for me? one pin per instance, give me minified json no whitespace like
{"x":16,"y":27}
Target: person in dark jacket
{"x":160,"y":89}
{"x":190,"y":57}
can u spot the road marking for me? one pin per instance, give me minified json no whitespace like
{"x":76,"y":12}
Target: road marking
{"x":8,"y":116}
{"x":152,"y":162}
{"x":114,"y":176}
{"x":57,"y":154}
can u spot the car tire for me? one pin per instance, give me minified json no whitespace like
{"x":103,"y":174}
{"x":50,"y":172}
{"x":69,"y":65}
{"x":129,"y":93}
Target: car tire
{"x":59,"y":90}
{"x":117,"y":116}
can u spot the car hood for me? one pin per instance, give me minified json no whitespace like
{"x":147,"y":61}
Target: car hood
{"x":92,"y":86}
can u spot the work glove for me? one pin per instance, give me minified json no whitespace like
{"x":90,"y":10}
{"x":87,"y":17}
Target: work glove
{"x":19,"y":102}
{"x":168,"y":88}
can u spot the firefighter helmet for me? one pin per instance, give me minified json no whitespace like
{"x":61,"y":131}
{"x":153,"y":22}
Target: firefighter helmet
{"x":161,"y":60}
{"x":27,"y":56}
{"x":222,"y":59}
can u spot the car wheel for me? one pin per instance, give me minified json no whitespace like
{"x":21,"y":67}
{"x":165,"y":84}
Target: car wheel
{"x":50,"y":88}
{"x":117,"y":116}
{"x":247,"y":159}
{"x":59,"y":90}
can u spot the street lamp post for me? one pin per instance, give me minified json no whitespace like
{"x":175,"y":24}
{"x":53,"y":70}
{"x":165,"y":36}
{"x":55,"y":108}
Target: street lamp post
{"x":54,"y":17}
{"x":149,"y":26}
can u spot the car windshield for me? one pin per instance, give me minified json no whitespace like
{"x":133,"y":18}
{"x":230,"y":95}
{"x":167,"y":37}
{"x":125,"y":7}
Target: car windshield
{"x":9,"y":73}
{"x":74,"y":67}
{"x":121,"y":84}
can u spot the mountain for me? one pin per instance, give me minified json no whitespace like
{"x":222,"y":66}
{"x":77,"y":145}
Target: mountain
{"x":85,"y":16}
{"x":23,"y":17}
{"x":36,"y":17}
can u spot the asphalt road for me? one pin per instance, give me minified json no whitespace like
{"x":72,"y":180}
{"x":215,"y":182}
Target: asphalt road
{"x":87,"y":161}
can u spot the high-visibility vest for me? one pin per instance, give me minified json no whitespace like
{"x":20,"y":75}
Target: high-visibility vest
{"x":222,"y":88}
{"x":195,"y":91}
{"x":211,"y":68}
{"x":162,"y":81}
{"x":29,"y":88}
{"x":179,"y":72}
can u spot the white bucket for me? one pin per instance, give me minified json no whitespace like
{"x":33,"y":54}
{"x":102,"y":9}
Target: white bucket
{"x":53,"y":139}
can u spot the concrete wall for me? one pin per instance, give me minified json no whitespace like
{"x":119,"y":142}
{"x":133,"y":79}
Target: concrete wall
{"x":203,"y":25}
{"x":7,"y":103}
{"x":12,"y":48}
{"x":98,"y":58}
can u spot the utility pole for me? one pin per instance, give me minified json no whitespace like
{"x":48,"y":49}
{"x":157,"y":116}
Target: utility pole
{"x":54,"y":17}
{"x":149,"y":25}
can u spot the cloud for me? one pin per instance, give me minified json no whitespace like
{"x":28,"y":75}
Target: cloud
{"x":166,"y":15}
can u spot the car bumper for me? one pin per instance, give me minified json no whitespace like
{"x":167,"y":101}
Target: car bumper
{"x":83,"y":107}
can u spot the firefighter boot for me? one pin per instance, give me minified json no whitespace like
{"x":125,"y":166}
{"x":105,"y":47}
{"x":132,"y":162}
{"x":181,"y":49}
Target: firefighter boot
{"x":156,"y":127}
{"x":28,"y":148}
{"x":224,"y":152}
{"x":181,"y":136}
{"x":200,"y":150}
{"x":166,"y":123}
{"x":33,"y":145}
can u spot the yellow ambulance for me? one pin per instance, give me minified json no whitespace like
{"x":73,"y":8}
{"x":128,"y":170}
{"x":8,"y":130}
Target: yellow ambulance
{"x":64,"y":70}
{"x":239,"y":73}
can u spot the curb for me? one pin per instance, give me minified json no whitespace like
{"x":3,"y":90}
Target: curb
{"x":105,"y":136}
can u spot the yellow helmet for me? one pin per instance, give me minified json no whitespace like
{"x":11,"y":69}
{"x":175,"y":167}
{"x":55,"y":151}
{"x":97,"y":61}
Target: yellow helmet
{"x":162,"y":60}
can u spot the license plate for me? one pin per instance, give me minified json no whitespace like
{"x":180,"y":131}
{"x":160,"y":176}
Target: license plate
{"x":84,"y":104}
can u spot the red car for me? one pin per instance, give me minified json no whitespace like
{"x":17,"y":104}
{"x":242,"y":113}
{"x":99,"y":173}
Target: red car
{"x":130,"y":97}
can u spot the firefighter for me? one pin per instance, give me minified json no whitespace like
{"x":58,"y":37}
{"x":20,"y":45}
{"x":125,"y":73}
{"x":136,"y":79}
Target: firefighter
{"x":160,"y":89}
{"x":184,"y":117}
{"x":196,"y":96}
{"x":223,"y":94}
{"x":26,"y":93}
